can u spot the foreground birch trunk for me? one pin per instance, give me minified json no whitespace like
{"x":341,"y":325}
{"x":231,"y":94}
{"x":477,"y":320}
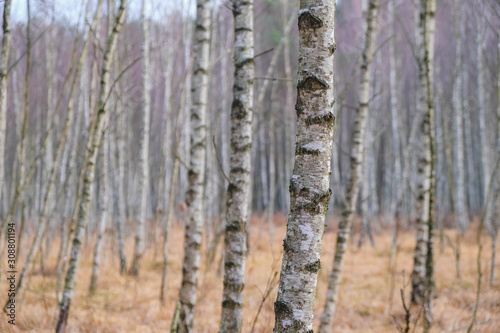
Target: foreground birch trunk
{"x":94,"y":140}
{"x":238,"y":191}
{"x":418,"y":274}
{"x":4,"y":61}
{"x":423,"y":270}
{"x":309,"y":184}
{"x":196,"y":172}
{"x":355,"y":172}
{"x":144,"y":154}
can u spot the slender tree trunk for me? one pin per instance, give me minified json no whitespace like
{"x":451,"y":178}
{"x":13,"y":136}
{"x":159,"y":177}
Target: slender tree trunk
{"x":95,"y":134}
{"x":238,"y":191}
{"x":21,"y":181}
{"x":424,"y":162}
{"x":355,"y":172}
{"x":101,"y":223}
{"x":167,"y":221}
{"x":196,"y":172}
{"x":144,"y":154}
{"x":483,"y":134}
{"x":309,"y":184}
{"x":71,"y":174}
{"x":396,"y":186}
{"x":427,"y":13}
{"x":459,"y":164}
{"x":122,"y":214}
{"x":4,"y":61}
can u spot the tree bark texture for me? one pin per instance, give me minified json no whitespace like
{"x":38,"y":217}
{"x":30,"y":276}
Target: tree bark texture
{"x":309,"y":183}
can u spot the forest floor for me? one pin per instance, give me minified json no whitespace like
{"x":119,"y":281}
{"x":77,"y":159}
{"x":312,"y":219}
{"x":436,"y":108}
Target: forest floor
{"x":126,"y":304}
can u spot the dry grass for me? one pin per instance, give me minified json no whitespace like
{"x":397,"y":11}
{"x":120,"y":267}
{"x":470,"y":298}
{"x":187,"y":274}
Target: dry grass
{"x":125,"y":304}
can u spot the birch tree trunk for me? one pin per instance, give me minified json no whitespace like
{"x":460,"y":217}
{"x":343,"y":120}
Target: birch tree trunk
{"x":419,"y":258}
{"x":483,"y":134}
{"x":122,"y":210}
{"x":95,"y":134}
{"x":355,"y":170}
{"x":459,"y":164}
{"x":144,"y":154}
{"x":422,"y":276}
{"x":396,"y":186}
{"x":309,"y":184}
{"x":101,"y":223}
{"x":4,"y":62}
{"x":238,"y":191}
{"x":196,"y":172}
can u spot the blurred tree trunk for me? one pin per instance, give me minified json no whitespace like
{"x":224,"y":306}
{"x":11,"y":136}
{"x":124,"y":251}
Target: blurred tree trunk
{"x":168,"y":216}
{"x":396,"y":184}
{"x":357,"y":152}
{"x":238,"y":191}
{"x":496,"y":203}
{"x":483,"y":134}
{"x":94,"y":139}
{"x":309,"y":184}
{"x":196,"y":172}
{"x":140,"y":232}
{"x":459,"y":164}
{"x":22,"y":180}
{"x":104,"y":214}
{"x":4,"y":63}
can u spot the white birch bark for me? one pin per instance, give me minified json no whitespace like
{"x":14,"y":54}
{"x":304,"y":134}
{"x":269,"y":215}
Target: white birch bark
{"x":422,"y":276}
{"x":96,"y":132}
{"x":238,"y":191}
{"x":196,"y":172}
{"x":309,"y":184}
{"x":356,"y":158}
{"x":140,"y":232}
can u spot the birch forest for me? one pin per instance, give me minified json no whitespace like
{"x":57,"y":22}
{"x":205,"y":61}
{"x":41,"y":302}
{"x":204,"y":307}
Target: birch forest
{"x":250,"y":166}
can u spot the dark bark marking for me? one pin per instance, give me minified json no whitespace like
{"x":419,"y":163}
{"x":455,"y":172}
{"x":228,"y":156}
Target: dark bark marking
{"x":307,"y":20}
{"x":327,"y":119}
{"x":313,"y":267}
{"x":312,"y":83}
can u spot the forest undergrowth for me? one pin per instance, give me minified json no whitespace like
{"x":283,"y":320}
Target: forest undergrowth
{"x":127,"y":304}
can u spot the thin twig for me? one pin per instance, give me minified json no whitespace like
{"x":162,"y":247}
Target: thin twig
{"x":262,"y":53}
{"x":218,"y":159}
